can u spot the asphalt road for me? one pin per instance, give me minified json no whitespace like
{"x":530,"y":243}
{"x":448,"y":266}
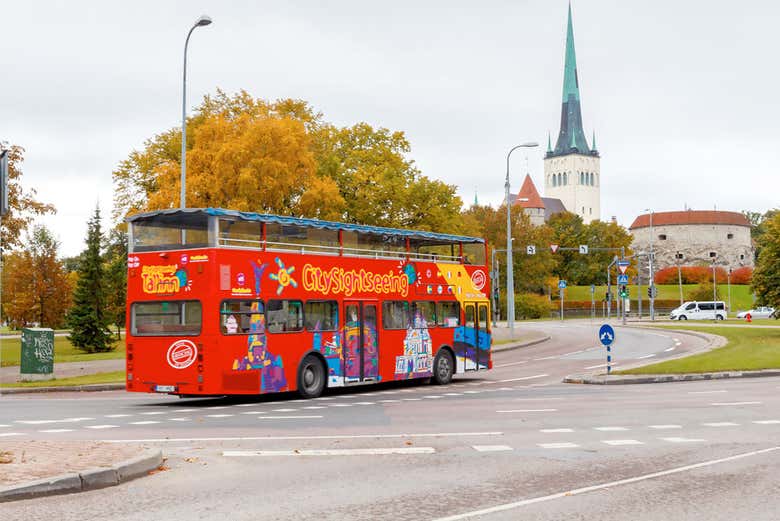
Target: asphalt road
{"x":511,"y":443}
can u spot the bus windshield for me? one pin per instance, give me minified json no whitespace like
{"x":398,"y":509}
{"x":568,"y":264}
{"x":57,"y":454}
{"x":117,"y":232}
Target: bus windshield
{"x":170,"y":232}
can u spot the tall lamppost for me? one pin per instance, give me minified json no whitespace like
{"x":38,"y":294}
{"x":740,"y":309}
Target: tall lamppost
{"x":510,"y":282}
{"x":202,"y":21}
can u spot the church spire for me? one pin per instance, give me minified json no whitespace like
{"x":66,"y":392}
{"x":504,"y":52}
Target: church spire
{"x":571,"y":136}
{"x":593,"y":142}
{"x":549,"y":143}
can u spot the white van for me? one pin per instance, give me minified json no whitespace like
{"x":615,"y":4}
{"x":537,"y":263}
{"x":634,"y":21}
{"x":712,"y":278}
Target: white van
{"x":708,"y":310}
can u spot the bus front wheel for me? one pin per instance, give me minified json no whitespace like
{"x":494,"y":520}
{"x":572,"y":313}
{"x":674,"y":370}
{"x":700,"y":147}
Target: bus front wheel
{"x":311,"y":377}
{"x":443,"y":368}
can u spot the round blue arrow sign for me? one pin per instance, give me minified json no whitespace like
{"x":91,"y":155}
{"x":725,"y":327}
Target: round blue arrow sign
{"x":606,"y":335}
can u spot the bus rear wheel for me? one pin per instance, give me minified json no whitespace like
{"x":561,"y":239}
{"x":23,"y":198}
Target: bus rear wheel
{"x":443,"y":368}
{"x":311,"y":377}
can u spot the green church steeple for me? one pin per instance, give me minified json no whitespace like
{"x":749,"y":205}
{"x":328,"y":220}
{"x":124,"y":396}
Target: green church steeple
{"x":571,"y":138}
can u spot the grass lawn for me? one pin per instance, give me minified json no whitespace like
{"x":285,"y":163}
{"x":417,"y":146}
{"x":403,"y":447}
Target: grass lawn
{"x":747,"y":349}
{"x":97,"y":378}
{"x":11,"y":350}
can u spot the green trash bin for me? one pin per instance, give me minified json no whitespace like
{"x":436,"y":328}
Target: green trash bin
{"x":37,"y":354}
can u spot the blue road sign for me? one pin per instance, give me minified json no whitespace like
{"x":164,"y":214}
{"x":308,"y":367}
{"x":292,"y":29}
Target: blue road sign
{"x":561,"y":284}
{"x":622,"y":279}
{"x":606,"y":335}
{"x":623,"y":263}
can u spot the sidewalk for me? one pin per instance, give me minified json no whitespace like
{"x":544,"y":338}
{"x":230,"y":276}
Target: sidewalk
{"x":31,"y":469}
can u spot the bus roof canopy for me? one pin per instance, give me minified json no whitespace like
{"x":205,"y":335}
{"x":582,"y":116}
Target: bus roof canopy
{"x":180,"y":216}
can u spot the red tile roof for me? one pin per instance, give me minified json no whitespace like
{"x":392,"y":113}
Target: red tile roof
{"x":528,"y":197}
{"x":691,"y":217}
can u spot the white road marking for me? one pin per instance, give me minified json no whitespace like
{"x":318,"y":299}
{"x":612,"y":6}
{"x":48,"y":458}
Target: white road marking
{"x":667,"y":350}
{"x":321,"y":437}
{"x":148,"y":422}
{"x":219,"y":415}
{"x":389,"y":401}
{"x":330,"y":452}
{"x":555,"y":430}
{"x":609,"y":429}
{"x":720,"y":424}
{"x":461,"y":394}
{"x":622,"y":442}
{"x":185,"y":410}
{"x":312,"y":407}
{"x":545,"y":399}
{"x":247,"y":404}
{"x":767,"y":422}
{"x":300,"y":417}
{"x":558,"y":445}
{"x":602,"y":486}
{"x":41,"y":422}
{"x":736,"y":403}
{"x":511,"y":363}
{"x":101,"y":426}
{"x":217,"y":407}
{"x":356,"y":403}
{"x":528,"y":410}
{"x":433,"y":396}
{"x":341,"y":405}
{"x":665,"y":427}
{"x":117,"y":415}
{"x":180,"y":419}
{"x":4,"y":425}
{"x":646,"y":356}
{"x":546,"y":358}
{"x":55,"y":431}
{"x":413,"y":399}
{"x":286,"y":410}
{"x":491,"y":448}
{"x":708,"y":392}
{"x":523,"y":378}
{"x":7,"y":434}
{"x":597,"y":366}
{"x":153,"y":413}
{"x":682,"y":440}
{"x":471,"y":392}
{"x":264,"y":412}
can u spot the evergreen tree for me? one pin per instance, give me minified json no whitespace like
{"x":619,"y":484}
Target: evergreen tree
{"x":116,"y":278}
{"x":88,"y":319}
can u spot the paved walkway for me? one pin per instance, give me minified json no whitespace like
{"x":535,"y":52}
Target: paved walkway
{"x":68,"y":369}
{"x":23,"y":461}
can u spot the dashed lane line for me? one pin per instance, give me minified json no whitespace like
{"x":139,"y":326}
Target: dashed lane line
{"x":718,"y":391}
{"x":248,"y":413}
{"x":527,"y":410}
{"x":523,"y":378}
{"x":767,"y":422}
{"x":562,"y":445}
{"x":666,"y":427}
{"x":219,"y":415}
{"x":117,"y":415}
{"x":146,"y":422}
{"x":299,"y":417}
{"x":553,"y":431}
{"x":610,"y":428}
{"x":720,"y":424}
{"x":180,"y":419}
{"x":568,"y":493}
{"x":329,"y":452}
{"x":683,"y":440}
{"x":668,"y":350}
{"x":736,"y":403}
{"x":622,"y":442}
{"x":55,"y":431}
{"x":101,"y":426}
{"x":43,"y":422}
{"x":491,"y":448}
{"x":646,"y":356}
{"x":319,"y":437}
{"x":9,"y":434}
{"x":153,"y":413}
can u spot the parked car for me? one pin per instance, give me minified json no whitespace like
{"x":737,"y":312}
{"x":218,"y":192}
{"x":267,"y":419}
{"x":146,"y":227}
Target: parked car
{"x":759,"y":312}
{"x":706,"y":310}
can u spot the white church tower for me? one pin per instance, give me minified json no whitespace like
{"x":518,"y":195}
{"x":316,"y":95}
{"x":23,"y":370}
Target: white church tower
{"x":572,"y":170}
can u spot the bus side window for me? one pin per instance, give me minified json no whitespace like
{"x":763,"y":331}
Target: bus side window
{"x":284,"y":316}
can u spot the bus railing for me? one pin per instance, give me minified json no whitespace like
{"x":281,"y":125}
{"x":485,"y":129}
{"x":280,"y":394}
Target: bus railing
{"x":336,"y":250}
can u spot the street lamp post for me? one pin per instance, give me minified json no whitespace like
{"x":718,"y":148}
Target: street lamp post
{"x":202,"y":21}
{"x":510,"y":290}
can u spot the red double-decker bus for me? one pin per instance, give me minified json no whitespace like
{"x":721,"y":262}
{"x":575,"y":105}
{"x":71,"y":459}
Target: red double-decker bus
{"x":221,"y":302}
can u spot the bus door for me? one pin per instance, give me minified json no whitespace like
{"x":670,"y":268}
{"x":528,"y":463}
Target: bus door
{"x":361,"y":345}
{"x":477,"y":337}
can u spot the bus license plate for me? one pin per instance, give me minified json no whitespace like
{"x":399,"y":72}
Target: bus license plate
{"x":165,"y":388}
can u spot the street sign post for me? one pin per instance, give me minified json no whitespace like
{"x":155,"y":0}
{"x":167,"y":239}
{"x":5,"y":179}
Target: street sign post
{"x":583,"y":249}
{"x":623,"y":265}
{"x":607,"y":338}
{"x":554,"y":247}
{"x":561,"y":287}
{"x":530,"y":249}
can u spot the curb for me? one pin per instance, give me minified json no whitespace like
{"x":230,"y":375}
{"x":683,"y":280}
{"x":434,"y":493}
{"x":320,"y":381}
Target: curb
{"x":90,"y":479}
{"x":517,"y":345}
{"x":663,"y":378}
{"x":64,"y":388}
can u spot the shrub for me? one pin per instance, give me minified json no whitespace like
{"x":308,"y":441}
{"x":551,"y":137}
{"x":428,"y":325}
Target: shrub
{"x":529,"y":305}
{"x":743,"y":275}
{"x":692,"y":275}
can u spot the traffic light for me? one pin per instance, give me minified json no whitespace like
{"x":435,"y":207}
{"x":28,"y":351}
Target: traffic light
{"x":623,"y":292}
{"x":652,"y":292}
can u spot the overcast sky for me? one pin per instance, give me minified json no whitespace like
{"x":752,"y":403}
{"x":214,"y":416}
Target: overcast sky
{"x":682,"y":95}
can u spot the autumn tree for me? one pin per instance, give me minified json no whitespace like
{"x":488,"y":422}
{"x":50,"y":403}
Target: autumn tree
{"x":766,"y":277}
{"x":36,"y":287}
{"x":88,"y":318}
{"x":281,"y":157}
{"x":23,"y":207}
